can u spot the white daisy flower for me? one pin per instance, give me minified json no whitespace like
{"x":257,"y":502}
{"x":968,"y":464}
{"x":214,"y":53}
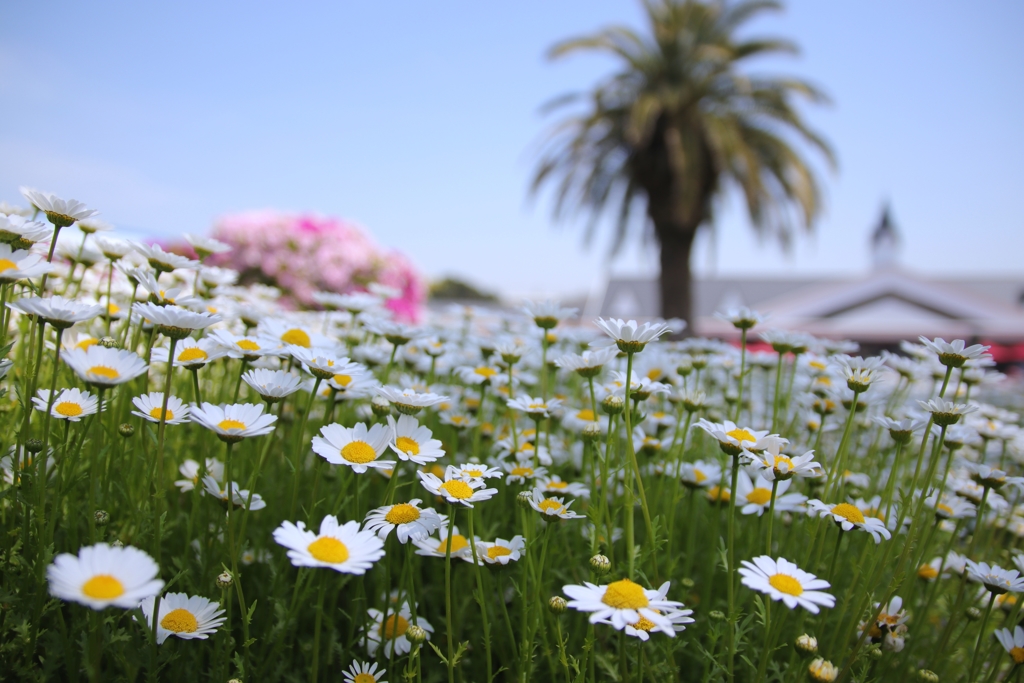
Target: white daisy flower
{"x":1013,"y":643}
{"x":552,"y":507}
{"x":56,"y":310}
{"x":102,"y":575}
{"x":357,"y":447}
{"x":103,"y":367}
{"x":60,"y":212}
{"x":189,"y":353}
{"x":343,"y":548}
{"x":733,"y":440}
{"x":190,"y":469}
{"x":163,"y":261}
{"x":849,"y":516}
{"x":363,"y":672}
{"x":21,"y":265}
{"x":70,"y":404}
{"x":480,"y":374}
{"x":454,"y":488}
{"x":432,"y":547}
{"x":413,"y":441}
{"x":782,"y":580}
{"x":741,"y":318}
{"x":755,"y":496}
{"x":113,"y":248}
{"x":233,"y":422}
{"x":408,"y":520}
{"x":954,"y":354}
{"x":23,"y":233}
{"x":231,"y":491}
{"x":946,"y":413}
{"x":473,"y":470}
{"x":323,"y":363}
{"x":950,"y":507}
{"x":272,"y":385}
{"x":996,"y":579}
{"x":643,"y":627}
{"x":622,"y":603}
{"x":206,"y":246}
{"x":779,"y":466}
{"x":283,"y":333}
{"x":700,"y":474}
{"x":554,"y":484}
{"x":589,"y":363}
{"x":536,"y":408}
{"x":629,"y":336}
{"x":151,"y":407}
{"x":186,"y":617}
{"x":391,"y":631}
{"x":248,"y":347}
{"x":501,"y":551}
{"x":175,"y":319}
{"x":409,"y":401}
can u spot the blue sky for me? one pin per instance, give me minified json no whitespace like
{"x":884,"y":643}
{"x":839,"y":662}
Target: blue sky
{"x":420,"y":121}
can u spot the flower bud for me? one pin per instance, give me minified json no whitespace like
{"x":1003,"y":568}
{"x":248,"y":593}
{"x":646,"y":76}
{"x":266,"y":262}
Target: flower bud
{"x":108,"y":342}
{"x":126,"y":430}
{"x":822,"y":671}
{"x":234,"y":680}
{"x":600,"y":564}
{"x":591,"y":432}
{"x":687,"y":583}
{"x":524,"y":498}
{"x":417,"y":635}
{"x":33,"y":446}
{"x":613,"y":404}
{"x":380,"y":406}
{"x":102,"y":517}
{"x":927,"y":676}
{"x":557,"y":604}
{"x":117,"y":543}
{"x":972,"y":613}
{"x":716,"y":615}
{"x":806,"y":644}
{"x":225,"y":580}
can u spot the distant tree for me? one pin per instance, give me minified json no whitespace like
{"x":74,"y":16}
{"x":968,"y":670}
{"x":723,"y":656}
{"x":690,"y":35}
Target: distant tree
{"x":678,"y":124}
{"x":453,"y":289}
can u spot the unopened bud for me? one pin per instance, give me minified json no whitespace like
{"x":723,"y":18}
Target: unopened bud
{"x":822,"y":671}
{"x":874,"y":652}
{"x":102,"y":517}
{"x":687,"y":583}
{"x":600,"y":564}
{"x":117,"y":543}
{"x":234,"y":680}
{"x":972,"y":613}
{"x":108,"y":342}
{"x":225,"y":580}
{"x":716,"y":615}
{"x":524,"y":498}
{"x":612,"y":404}
{"x":126,"y":430}
{"x":591,"y":432}
{"x":417,"y":635}
{"x":33,"y":446}
{"x":807,"y":644}
{"x":927,"y":676}
{"x":557,"y":604}
{"x":380,"y":406}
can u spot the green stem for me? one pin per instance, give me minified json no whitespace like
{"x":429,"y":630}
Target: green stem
{"x":317,"y":628}
{"x":771,"y":518}
{"x":482,"y":599}
{"x":981,"y":636}
{"x":449,"y":626}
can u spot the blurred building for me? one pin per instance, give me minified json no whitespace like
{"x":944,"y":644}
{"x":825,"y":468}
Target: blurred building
{"x":890,"y":303}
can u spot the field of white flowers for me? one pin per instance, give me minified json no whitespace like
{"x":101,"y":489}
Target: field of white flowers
{"x":202,"y":484}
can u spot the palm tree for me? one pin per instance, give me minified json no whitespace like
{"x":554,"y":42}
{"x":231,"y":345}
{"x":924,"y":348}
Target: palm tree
{"x":677,"y":125}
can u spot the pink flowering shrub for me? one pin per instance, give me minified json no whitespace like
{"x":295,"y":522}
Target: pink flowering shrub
{"x":302,"y":253}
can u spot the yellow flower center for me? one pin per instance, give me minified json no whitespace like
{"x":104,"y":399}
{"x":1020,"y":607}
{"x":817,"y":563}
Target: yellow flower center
{"x":86,"y":343}
{"x":586,"y":414}
{"x":364,"y":678}
{"x":522,"y":472}
{"x":496,"y":551}
{"x":558,"y":484}
{"x":458,"y":543}
{"x":359,"y":452}
{"x":719,"y":494}
{"x":248,"y":345}
{"x":68,"y":409}
{"x":457,"y":489}
{"x":394,"y":626}
{"x":228,"y":425}
{"x":849,"y":512}
{"x":927,"y":572}
{"x":343,"y":380}
{"x":407,"y":445}
{"x":297,"y":337}
{"x":550,"y":505}
{"x":527,"y":446}
{"x":157,"y":413}
{"x":486,"y":372}
{"x":475,"y":474}
{"x":645,"y":624}
{"x":328,"y":549}
{"x":944,"y":508}
{"x":104,"y":371}
{"x":6,"y":264}
{"x":624,"y":594}
{"x":699,"y":476}
{"x":1018,"y":655}
{"x":180,"y":621}
{"x":113,"y":309}
{"x":192,"y":353}
{"x":759,"y":496}
{"x":538,"y":406}
{"x":103,"y":587}
{"x":783,"y":460}
{"x":654,"y":373}
{"x":817,"y":365}
{"x":784,"y":583}
{"x":741,"y":435}
{"x":403,"y":513}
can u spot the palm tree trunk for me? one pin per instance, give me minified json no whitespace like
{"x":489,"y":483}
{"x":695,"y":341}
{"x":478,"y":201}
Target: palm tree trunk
{"x":675,"y":283}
